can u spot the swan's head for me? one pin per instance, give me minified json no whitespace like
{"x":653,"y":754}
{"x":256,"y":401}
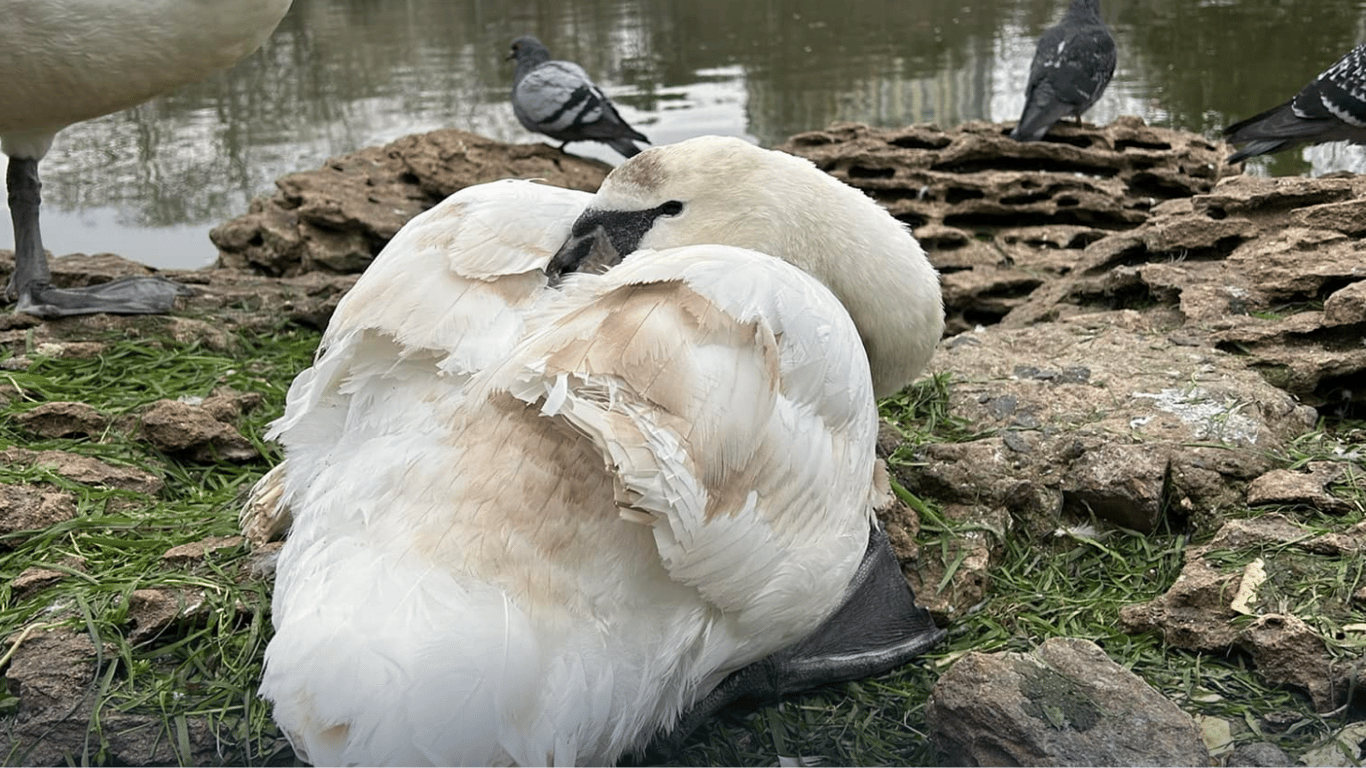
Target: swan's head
{"x":729,"y":192}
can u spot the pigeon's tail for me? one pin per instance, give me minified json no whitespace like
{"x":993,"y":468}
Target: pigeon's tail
{"x":1276,"y":129}
{"x":624,"y":146}
{"x":1039,"y":115}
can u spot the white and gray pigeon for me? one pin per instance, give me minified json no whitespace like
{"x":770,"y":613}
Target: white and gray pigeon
{"x":1073,"y":62}
{"x":556,"y":98}
{"x":1332,"y":107}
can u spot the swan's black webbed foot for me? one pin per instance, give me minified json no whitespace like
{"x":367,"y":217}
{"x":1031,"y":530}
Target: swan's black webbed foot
{"x":126,"y":296}
{"x":878,"y":627}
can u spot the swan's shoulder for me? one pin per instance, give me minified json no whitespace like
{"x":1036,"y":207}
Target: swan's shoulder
{"x":710,"y":377}
{"x":454,"y":283}
{"x":445,"y":298}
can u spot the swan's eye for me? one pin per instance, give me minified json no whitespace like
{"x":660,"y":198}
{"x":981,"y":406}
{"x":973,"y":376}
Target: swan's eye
{"x":671,"y":208}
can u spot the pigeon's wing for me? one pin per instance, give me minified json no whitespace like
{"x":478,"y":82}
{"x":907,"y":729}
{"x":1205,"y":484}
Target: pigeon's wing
{"x":1071,"y":68}
{"x":1077,"y":64}
{"x":1332,"y":107}
{"x":560,"y":99}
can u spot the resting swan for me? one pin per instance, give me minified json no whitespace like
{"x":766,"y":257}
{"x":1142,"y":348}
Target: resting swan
{"x":543,"y":520}
{"x":64,"y":61}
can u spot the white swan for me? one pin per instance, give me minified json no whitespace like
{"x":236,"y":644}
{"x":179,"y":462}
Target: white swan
{"x":541,"y":524}
{"x":64,"y":61}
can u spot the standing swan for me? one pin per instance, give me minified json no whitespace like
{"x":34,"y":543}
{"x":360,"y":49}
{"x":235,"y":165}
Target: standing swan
{"x":64,"y":61}
{"x":545,"y":520}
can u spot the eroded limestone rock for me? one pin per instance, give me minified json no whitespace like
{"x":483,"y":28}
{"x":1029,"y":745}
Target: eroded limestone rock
{"x":338,"y":217}
{"x":1065,"y":703}
{"x":999,"y":216}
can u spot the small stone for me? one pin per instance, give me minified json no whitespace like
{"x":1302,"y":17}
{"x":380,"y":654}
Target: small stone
{"x":1259,"y":753}
{"x":31,"y":508}
{"x":198,"y":550}
{"x":152,"y":611}
{"x":177,"y":427}
{"x":87,"y":470}
{"x":63,"y":419}
{"x":32,"y":580}
{"x":1283,"y":486}
{"x":1346,"y":306}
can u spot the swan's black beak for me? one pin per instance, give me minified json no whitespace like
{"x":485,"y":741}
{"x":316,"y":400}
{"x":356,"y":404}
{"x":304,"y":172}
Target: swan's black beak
{"x":599,"y":241}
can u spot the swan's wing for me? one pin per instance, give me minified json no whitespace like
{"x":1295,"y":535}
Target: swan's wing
{"x":730,"y":394}
{"x":447,"y":294}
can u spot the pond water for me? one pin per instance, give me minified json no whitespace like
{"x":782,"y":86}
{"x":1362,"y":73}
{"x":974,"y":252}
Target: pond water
{"x":338,"y":75}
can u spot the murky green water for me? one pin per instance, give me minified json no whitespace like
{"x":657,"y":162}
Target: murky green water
{"x":341,"y":74}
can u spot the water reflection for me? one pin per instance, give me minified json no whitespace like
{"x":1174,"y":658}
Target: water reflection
{"x":340,"y":74}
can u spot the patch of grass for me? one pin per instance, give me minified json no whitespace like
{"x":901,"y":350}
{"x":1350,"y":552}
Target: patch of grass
{"x":201,"y":671}
{"x":921,"y":413}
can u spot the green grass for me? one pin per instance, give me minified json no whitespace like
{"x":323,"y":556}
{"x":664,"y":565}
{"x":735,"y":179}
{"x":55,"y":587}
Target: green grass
{"x":202,"y":671}
{"x":204,"y":667}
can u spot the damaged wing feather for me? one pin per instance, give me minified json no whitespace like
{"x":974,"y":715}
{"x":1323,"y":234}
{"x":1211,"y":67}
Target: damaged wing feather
{"x":708,"y":377}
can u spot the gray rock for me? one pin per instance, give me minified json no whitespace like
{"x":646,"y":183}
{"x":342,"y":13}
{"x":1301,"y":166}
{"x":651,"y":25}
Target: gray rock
{"x":1259,"y":753}
{"x":558,"y":99}
{"x":1103,"y":416}
{"x":1244,"y":267}
{"x":1065,"y":703}
{"x":1001,"y":218}
{"x":1208,"y":607}
{"x":178,"y":427}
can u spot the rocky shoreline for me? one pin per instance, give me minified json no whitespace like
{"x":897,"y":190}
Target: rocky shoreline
{"x":1136,"y":338}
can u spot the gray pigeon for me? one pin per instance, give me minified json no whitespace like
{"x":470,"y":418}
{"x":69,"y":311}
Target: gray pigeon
{"x":1073,"y":63}
{"x":557,"y":98}
{"x":1331,"y":108}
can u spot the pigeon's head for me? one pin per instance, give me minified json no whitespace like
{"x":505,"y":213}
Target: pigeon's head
{"x":528,"y":50}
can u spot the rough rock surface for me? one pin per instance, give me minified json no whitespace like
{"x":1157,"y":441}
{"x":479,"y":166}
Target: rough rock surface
{"x":337,"y":218}
{"x":1209,"y":605}
{"x":85,"y":469}
{"x":1065,"y":703}
{"x":1259,"y":753}
{"x":53,"y":674}
{"x":1255,"y":267}
{"x":63,"y":420}
{"x":999,"y":217}
{"x":32,"y":508}
{"x":1093,"y":417}
{"x":180,"y":427}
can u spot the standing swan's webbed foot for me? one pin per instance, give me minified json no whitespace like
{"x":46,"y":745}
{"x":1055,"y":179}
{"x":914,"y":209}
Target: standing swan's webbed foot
{"x":31,"y":286}
{"x":878,"y":627}
{"x":125,"y":296}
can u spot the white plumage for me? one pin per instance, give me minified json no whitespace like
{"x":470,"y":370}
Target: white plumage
{"x":533,"y":524}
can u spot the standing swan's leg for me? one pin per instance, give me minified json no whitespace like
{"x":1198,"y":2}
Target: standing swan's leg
{"x":30,"y":284}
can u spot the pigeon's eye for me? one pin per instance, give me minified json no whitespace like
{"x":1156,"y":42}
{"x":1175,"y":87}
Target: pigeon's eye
{"x":671,"y":208}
